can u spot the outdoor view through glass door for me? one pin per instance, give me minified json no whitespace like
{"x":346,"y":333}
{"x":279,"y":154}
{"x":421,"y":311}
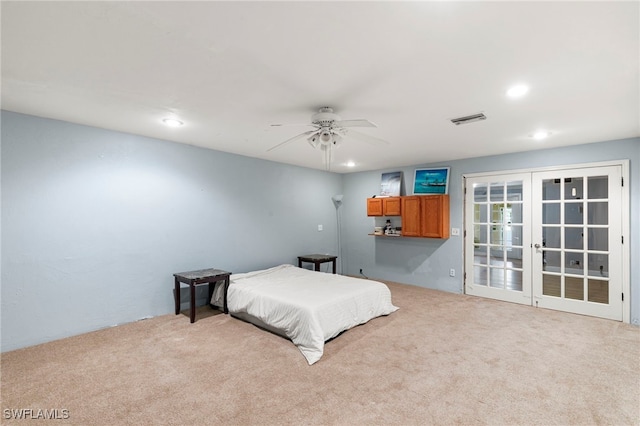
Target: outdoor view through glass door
{"x":548,"y":239}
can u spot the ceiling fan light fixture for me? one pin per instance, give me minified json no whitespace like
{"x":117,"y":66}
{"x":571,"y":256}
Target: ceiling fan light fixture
{"x":325,"y":136}
{"x":314,"y":140}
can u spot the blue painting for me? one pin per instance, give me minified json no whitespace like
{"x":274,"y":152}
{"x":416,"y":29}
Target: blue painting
{"x":431,"y":181}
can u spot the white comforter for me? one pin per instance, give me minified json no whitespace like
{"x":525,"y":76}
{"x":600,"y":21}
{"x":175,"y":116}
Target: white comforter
{"x":308,"y":307}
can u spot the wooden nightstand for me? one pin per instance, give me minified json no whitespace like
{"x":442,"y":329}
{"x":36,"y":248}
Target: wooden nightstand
{"x":201,"y":276}
{"x":317,"y":259}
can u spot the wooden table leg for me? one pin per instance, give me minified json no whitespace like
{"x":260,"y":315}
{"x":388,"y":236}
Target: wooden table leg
{"x":226,"y":289}
{"x":177,"y":297}
{"x":193,"y":303}
{"x":317,"y":268}
{"x":212,"y":286}
{"x":334,"y":266}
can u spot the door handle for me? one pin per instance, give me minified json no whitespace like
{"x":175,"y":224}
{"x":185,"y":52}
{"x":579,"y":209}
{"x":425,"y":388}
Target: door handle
{"x":536,"y":245}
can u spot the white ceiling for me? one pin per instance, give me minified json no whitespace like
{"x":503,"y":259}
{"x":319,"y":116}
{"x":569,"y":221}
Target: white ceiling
{"x":230,"y":69}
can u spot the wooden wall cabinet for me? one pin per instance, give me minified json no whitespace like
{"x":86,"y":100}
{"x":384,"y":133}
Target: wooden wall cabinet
{"x":390,"y":206}
{"x":411,"y":218}
{"x":425,"y":216}
{"x":374,"y":206}
{"x":434,"y":212}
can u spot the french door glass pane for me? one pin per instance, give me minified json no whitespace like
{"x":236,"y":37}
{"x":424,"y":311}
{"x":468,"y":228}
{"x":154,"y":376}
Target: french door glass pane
{"x":497,"y":191}
{"x":497,"y":261}
{"x":598,"y":291}
{"x":551,"y":189}
{"x":496,"y":277}
{"x":551,"y":236}
{"x":480,"y":234}
{"x":496,"y":212}
{"x":496,"y":255}
{"x":516,"y":212}
{"x":514,"y":257}
{"x":598,"y":213}
{"x":573,"y":263}
{"x":480,"y":255}
{"x":497,"y":234}
{"x":480,"y":213}
{"x":598,"y":239}
{"x":515,"y":237}
{"x":551,"y":260}
{"x":574,"y":288}
{"x":598,"y":187}
{"x":573,"y":188}
{"x":598,"y":264}
{"x":573,"y":214}
{"x":480,"y":275}
{"x":514,"y":191}
{"x":514,"y":280}
{"x":551,"y":285}
{"x":573,"y":238}
{"x":480,"y":192}
{"x":551,"y":213}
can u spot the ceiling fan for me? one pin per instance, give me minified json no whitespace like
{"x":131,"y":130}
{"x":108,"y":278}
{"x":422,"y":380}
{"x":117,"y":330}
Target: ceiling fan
{"x":328,"y":132}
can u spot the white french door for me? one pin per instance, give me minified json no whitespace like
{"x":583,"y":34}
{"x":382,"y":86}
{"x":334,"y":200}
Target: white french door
{"x":498,"y":244}
{"x":577,"y":229}
{"x":550,"y":239}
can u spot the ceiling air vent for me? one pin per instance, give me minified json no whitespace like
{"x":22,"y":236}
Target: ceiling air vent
{"x":468,"y":119}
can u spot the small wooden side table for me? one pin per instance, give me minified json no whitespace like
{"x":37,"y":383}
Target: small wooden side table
{"x":201,"y":276}
{"x":317,"y":259}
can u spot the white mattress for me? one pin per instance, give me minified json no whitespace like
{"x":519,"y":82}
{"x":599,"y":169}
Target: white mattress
{"x":306,"y":306}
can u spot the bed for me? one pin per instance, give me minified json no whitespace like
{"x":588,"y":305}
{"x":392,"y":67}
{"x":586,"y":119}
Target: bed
{"x":307,"y":307}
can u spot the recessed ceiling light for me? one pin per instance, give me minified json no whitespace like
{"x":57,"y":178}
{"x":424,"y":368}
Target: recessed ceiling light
{"x":172,"y":122}
{"x":517,"y":91}
{"x":540,"y":134}
{"x":351,"y":164}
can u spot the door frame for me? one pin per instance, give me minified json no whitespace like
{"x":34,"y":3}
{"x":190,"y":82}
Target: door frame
{"x":625,"y":217}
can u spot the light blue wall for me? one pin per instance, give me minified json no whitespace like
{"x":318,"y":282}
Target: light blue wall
{"x":426,"y":262}
{"x":95,"y":222}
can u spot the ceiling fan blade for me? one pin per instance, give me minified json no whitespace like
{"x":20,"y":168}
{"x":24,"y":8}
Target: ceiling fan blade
{"x":292,"y":124}
{"x":293,"y":139}
{"x":365,"y":138}
{"x":354,"y":123}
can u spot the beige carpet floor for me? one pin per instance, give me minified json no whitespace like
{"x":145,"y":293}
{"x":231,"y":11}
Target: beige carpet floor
{"x":441,"y":359}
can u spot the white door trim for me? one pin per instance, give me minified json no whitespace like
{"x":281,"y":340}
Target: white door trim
{"x":625,"y":206}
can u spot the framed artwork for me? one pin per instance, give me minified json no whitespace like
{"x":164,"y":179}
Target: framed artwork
{"x":431,"y":181}
{"x":390,"y":184}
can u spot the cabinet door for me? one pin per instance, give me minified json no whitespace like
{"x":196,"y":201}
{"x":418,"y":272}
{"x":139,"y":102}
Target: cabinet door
{"x":374,"y":206}
{"x":391,"y":206}
{"x":411,"y":216}
{"x":434,"y":214}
